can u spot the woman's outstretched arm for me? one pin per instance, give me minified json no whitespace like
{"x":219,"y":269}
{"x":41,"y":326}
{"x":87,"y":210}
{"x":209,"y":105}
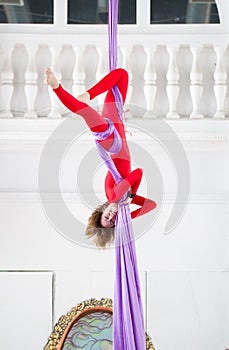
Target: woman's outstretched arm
{"x":115,"y":192}
{"x":145,"y":204}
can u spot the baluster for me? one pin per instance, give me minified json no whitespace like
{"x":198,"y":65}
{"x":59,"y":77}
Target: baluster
{"x":196,"y":88}
{"x":137,"y":63}
{"x":43,"y":59}
{"x":101,"y":71}
{"x":6,"y":83}
{"x":126,"y":51}
{"x":220,"y":86}
{"x":150,"y":87}
{"x":67,"y":60}
{"x":172,"y":87}
{"x":89,"y":65}
{"x":55,"y":103}
{"x":1,"y":67}
{"x":31,"y":84}
{"x":78,"y":73}
{"x":19,"y":59}
{"x":119,"y":57}
{"x":131,"y":79}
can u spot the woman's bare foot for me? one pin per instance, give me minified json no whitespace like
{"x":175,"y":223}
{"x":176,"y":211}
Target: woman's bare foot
{"x":50,"y":79}
{"x":85,"y":97}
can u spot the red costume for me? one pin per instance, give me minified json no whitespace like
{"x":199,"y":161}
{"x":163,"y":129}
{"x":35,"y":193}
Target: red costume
{"x":97,"y":123}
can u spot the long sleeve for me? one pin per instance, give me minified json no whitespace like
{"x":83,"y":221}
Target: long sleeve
{"x":146,"y":206}
{"x":115,"y":192}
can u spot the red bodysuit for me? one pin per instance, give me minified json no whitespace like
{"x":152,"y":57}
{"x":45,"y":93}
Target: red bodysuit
{"x":97,"y":123}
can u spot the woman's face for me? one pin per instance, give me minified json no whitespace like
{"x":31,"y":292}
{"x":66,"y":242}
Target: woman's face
{"x":108,"y":216}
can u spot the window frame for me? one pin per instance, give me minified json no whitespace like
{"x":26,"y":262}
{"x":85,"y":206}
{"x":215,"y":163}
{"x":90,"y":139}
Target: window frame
{"x":142,"y":26}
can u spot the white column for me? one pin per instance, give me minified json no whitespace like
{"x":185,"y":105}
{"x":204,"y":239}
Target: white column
{"x":19,"y":60}
{"x":220,"y":86}
{"x":55,"y":103}
{"x":150,"y":87}
{"x":31,"y":83}
{"x":90,"y":64}
{"x":6,"y":83}
{"x":196,"y":88}
{"x":78,"y":73}
{"x":172,"y":87}
{"x":101,"y":71}
{"x":119,"y":57}
{"x":126,"y":65}
{"x":43,"y":59}
{"x":66,"y":64}
{"x":137,"y":64}
{"x":1,"y":67}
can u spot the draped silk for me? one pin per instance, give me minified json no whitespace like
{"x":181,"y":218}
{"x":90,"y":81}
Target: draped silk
{"x":128,"y":320}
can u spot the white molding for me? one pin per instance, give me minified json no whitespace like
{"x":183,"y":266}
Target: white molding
{"x":98,"y":36}
{"x":30,"y":135}
{"x":36,"y":131}
{"x":164,"y":30}
{"x":34,"y":197}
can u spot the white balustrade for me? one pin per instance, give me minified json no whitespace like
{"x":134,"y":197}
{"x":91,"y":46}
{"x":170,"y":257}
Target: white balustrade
{"x":172,"y":87}
{"x":150,"y":87}
{"x":78,"y":73}
{"x":220,"y":86}
{"x":31,"y":83}
{"x":90,"y":64}
{"x":66,"y":63}
{"x":43,"y":59}
{"x":55,"y":104}
{"x":137,"y":65}
{"x":19,"y":61}
{"x":6,"y":83}
{"x":196,"y":88}
{"x":23,"y":92}
{"x":101,"y":71}
{"x":1,"y":67}
{"x":126,"y":65}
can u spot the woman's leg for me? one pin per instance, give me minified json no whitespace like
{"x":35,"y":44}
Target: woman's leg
{"x":93,"y":119}
{"x":117,"y":77}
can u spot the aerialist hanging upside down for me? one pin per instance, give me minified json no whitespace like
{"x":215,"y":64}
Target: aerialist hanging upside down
{"x":102,"y":221}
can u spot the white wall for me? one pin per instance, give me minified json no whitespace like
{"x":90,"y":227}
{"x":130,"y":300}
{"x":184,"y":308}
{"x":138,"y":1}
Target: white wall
{"x":185,"y":280}
{"x":185,"y":275}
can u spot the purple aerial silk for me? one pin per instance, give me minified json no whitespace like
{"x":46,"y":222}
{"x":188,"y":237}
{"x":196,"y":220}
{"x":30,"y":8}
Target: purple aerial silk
{"x":128,"y":321}
{"x":112,"y":42}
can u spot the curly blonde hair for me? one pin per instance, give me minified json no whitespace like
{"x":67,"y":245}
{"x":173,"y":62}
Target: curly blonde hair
{"x":102,"y":236}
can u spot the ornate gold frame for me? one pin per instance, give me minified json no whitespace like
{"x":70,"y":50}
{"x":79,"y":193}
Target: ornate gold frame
{"x":65,"y":322}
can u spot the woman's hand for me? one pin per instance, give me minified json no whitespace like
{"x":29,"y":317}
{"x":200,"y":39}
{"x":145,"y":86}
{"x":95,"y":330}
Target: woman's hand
{"x":126,"y":201}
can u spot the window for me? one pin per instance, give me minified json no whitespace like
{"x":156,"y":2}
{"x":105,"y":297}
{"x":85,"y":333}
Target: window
{"x":26,"y":11}
{"x":183,"y":11}
{"x":95,"y":11}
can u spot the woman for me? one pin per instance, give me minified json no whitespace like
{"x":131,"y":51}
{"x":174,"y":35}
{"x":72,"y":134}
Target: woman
{"x":102,"y":221}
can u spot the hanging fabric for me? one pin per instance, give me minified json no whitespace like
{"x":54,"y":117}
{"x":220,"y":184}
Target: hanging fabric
{"x":128,"y":320}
